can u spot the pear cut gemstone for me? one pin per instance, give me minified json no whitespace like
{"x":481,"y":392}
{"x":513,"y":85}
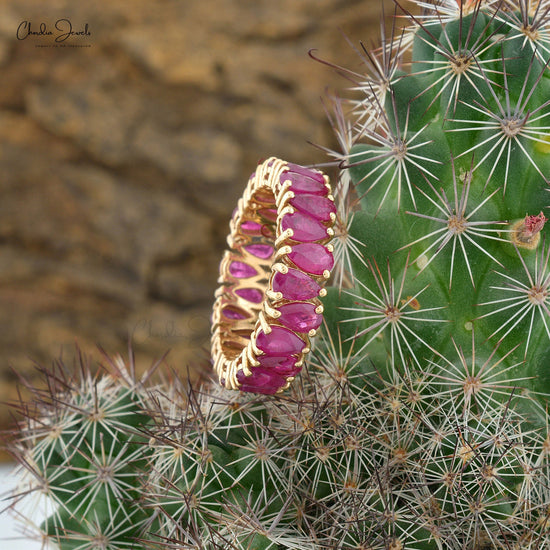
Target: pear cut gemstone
{"x":304,"y":184}
{"x":234,"y":313}
{"x":240,"y":270}
{"x":312,"y":258}
{"x":261,"y":380}
{"x":300,"y":316}
{"x":317,"y":207}
{"x":297,"y":169}
{"x":251,"y":294}
{"x":283,"y":365}
{"x":305,"y":229}
{"x":263,"y":251}
{"x":280,"y":341}
{"x":252,"y":228}
{"x":295,"y":285}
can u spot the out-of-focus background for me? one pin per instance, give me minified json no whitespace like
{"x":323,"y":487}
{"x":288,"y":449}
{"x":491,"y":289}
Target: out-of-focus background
{"x":123,"y":151}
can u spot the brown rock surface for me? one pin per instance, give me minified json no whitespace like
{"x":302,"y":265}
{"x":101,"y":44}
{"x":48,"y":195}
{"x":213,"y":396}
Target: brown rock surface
{"x":122,"y":155}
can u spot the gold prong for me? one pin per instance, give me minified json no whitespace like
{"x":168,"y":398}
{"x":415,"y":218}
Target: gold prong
{"x":285,"y":235}
{"x":274,"y":296}
{"x":265,"y":326}
{"x":281,"y":268}
{"x":273,"y":313}
{"x":283,"y":251}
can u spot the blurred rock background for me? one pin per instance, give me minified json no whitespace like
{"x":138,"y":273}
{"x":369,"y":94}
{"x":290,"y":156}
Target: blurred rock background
{"x":123,"y":153}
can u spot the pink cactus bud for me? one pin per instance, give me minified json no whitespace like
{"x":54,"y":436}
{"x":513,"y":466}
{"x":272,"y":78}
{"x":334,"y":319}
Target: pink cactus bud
{"x":526,"y":233}
{"x":534,"y":224}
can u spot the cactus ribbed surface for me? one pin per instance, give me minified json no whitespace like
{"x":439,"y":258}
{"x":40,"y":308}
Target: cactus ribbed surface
{"x":420,"y":420}
{"x":453,"y":182}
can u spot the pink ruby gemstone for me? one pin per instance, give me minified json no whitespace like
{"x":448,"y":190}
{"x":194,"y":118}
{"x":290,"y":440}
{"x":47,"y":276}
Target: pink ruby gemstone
{"x":305,"y":228}
{"x":280,"y":341}
{"x":312,"y":258}
{"x":319,"y":208}
{"x":234,"y":313}
{"x":251,"y":294}
{"x":297,"y":169}
{"x":283,"y":365}
{"x":240,"y":270}
{"x":303,"y":184}
{"x":262,"y":251}
{"x":300,"y":316}
{"x":261,"y":381}
{"x":295,"y":285}
{"x":251,"y":227}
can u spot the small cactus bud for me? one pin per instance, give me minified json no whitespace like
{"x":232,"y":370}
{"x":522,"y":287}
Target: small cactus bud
{"x":526,"y":233}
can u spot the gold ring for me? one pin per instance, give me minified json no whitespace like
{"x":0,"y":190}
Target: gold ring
{"x":267,"y":306}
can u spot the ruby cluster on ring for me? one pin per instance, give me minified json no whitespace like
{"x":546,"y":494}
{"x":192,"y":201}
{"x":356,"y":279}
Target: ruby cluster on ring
{"x":267,"y":306}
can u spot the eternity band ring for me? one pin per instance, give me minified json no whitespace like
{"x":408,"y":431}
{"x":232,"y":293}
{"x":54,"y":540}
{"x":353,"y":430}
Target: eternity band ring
{"x":268,"y":306}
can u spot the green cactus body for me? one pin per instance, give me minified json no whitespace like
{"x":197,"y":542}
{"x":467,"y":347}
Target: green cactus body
{"x":451,"y":167}
{"x":84,"y":459}
{"x":450,"y":298}
{"x":420,"y":421}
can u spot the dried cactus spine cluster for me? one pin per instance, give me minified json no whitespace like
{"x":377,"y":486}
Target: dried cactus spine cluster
{"x":420,"y":421}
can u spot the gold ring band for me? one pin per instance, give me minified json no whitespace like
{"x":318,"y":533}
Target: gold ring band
{"x":267,"y":306}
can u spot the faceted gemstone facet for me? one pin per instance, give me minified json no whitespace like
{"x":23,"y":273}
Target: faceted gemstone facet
{"x":240,"y":270}
{"x":295,"y":285}
{"x":251,"y":294}
{"x":280,"y":341}
{"x":317,"y":207}
{"x":300,"y":316}
{"x":305,"y":229}
{"x":263,"y":251}
{"x":312,"y":258}
{"x":304,"y":184}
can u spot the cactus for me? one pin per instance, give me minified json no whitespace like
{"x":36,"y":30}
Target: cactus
{"x":82,"y":455}
{"x":420,"y":420}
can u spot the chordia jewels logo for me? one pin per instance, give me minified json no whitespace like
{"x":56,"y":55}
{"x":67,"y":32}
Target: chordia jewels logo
{"x":61,"y":34}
